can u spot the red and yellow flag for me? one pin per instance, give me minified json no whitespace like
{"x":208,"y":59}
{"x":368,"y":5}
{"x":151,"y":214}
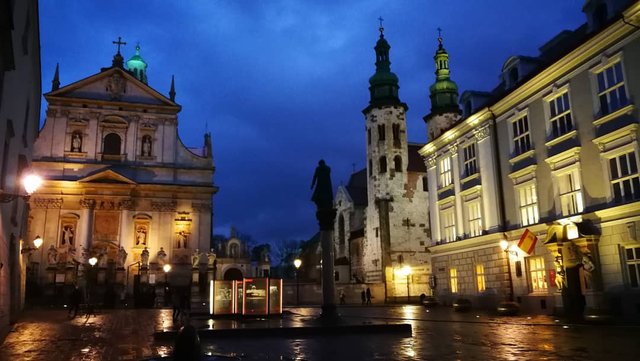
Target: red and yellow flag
{"x":527,"y":242}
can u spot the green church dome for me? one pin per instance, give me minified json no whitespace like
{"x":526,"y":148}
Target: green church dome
{"x":138,"y":66}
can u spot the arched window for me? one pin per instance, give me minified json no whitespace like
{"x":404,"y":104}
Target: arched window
{"x":395,"y":129}
{"x":381,"y":132}
{"x":383,"y":164}
{"x":146,"y":146}
{"x":341,"y":230}
{"x":370,"y":168}
{"x":111,"y":144}
{"x":397,"y":163}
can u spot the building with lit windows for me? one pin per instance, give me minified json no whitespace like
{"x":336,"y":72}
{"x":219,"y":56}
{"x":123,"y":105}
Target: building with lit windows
{"x":553,"y":149}
{"x":20,"y":91}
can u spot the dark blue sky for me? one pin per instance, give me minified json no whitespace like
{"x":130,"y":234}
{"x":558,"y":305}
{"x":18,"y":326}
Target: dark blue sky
{"x":282,"y":83}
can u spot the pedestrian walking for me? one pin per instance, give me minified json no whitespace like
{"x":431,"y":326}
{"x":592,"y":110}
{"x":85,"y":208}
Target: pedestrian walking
{"x":368,"y":296}
{"x":74,"y":304}
{"x":363,"y":297}
{"x":342,"y":300}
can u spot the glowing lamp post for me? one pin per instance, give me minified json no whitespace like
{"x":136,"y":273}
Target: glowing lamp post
{"x":297,"y":263}
{"x":30,"y":182}
{"x":93,"y":261}
{"x":405,"y":272}
{"x":37,"y":242}
{"x":166,"y":268}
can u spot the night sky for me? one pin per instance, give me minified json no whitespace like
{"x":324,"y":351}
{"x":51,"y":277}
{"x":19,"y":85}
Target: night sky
{"x":281,"y":84}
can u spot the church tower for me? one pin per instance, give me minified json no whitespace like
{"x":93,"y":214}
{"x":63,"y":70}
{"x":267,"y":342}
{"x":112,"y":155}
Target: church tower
{"x":387,"y":159}
{"x":138,"y":66}
{"x":445,"y":110}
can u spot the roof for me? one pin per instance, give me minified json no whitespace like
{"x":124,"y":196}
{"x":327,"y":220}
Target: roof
{"x":357,"y":187}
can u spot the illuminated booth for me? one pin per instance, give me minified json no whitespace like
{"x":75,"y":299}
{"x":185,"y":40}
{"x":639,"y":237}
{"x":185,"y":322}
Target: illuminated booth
{"x":250,"y":296}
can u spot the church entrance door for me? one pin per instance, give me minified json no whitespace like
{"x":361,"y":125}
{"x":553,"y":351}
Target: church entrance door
{"x":233,"y":274}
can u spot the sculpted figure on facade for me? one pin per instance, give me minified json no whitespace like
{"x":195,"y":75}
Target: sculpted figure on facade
{"x":67,"y":235}
{"x":195,"y":258}
{"x":122,"y":257}
{"x":144,"y":257}
{"x":323,"y":192}
{"x":141,"y":236}
{"x":211,"y":258}
{"x":76,"y":142}
{"x":161,"y":257}
{"x":52,"y":255}
{"x":146,"y":146}
{"x":182,"y":239}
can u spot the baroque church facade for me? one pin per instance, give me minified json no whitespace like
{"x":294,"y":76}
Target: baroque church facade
{"x":120,"y":185}
{"x":382,"y":227}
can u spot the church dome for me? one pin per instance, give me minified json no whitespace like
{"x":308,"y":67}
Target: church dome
{"x":138,"y":66}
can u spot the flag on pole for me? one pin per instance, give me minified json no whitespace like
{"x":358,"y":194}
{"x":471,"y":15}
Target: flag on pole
{"x":527,"y":242}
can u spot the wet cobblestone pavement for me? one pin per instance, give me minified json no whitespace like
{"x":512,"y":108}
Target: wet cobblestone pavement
{"x":439,"y":334}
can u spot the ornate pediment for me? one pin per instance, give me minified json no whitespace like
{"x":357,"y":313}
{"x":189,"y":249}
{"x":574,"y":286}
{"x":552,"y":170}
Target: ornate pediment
{"x":106,"y":176}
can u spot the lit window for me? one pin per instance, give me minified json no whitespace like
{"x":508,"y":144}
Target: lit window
{"x":475,"y":218}
{"x":470,"y":162}
{"x":633,"y":266}
{"x":445,"y":172}
{"x":448,"y":224}
{"x":560,"y":115}
{"x":570,"y":193}
{"x":537,"y":274}
{"x":480,"y":277}
{"x":625,"y":180}
{"x":453,"y":275}
{"x":528,"y":203}
{"x":521,"y":137}
{"x":611,"y":89}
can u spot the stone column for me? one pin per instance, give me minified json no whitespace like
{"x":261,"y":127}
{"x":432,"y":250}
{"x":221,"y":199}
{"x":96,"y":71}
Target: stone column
{"x":326,"y":218}
{"x":88,"y":206}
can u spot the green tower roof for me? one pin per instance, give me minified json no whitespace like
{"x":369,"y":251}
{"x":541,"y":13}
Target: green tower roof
{"x":383,"y":85}
{"x":444,"y":92}
{"x":138,"y":66}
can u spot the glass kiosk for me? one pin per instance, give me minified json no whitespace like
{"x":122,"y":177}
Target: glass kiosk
{"x":250,"y":296}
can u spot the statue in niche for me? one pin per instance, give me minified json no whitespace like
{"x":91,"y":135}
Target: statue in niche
{"x":144,"y":257}
{"x":67,"y":235}
{"x":211,"y":258}
{"x":323,"y":192}
{"x":182,"y":239}
{"x":76,"y":142}
{"x":52,"y":255}
{"x":72,"y":254}
{"x":146,"y":146}
{"x":141,"y":236}
{"x":161,"y":257}
{"x":587,"y":270}
{"x":195,"y":258}
{"x":122,"y":257}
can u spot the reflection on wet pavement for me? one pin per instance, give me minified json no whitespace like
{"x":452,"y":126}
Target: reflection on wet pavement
{"x":439,"y":334}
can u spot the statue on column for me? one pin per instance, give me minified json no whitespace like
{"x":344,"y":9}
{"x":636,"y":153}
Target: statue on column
{"x":122,"y":257}
{"x":195,"y":258}
{"x":161,"y":257}
{"x":323,"y":193}
{"x":144,"y":257}
{"x":211,"y":258}
{"x":560,"y":274}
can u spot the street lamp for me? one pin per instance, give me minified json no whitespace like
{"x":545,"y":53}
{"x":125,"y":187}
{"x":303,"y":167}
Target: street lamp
{"x":31,"y":183}
{"x":508,"y":307}
{"x":405,"y":272}
{"x":166,"y":268}
{"x":297,"y":263}
{"x":37,"y":242}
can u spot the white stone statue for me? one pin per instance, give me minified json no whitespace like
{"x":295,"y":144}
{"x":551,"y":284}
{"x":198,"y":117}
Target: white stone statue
{"x":195,"y":258}
{"x":161,"y":257}
{"x":146,"y":146}
{"x":211,"y":258}
{"x":559,"y":273}
{"x":72,"y":254}
{"x":52,"y":255}
{"x":76,"y":143}
{"x":144,"y":257}
{"x":67,"y":235}
{"x":122,"y":257}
